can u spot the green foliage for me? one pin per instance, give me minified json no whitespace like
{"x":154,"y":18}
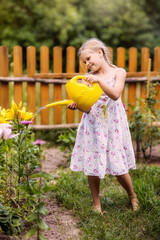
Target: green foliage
{"x":10,"y":221}
{"x":118,"y":221}
{"x":67,"y":141}
{"x":71,"y":22}
{"x":23,"y":185}
{"x":141,"y":123}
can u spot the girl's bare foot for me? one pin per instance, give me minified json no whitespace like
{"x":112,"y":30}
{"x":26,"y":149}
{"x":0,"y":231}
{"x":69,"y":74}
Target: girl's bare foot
{"x":134,"y":202}
{"x":97,"y":209}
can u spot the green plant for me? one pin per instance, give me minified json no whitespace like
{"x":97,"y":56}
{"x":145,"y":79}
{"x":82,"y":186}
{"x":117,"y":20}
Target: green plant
{"x":23,"y":185}
{"x":67,"y":141}
{"x":141,"y":123}
{"x":10,"y":221}
{"x":35,"y":192}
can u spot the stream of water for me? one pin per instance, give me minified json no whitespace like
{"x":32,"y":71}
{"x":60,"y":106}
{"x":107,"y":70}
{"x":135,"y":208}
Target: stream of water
{"x":41,"y":108}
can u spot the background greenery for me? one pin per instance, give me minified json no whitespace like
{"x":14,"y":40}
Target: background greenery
{"x":71,"y":22}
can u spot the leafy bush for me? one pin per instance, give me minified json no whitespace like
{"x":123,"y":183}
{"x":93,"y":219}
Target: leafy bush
{"x":10,"y":221}
{"x":141,"y":123}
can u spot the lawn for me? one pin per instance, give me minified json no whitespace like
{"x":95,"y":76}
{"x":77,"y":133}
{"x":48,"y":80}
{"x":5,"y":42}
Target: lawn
{"x":118,"y":222}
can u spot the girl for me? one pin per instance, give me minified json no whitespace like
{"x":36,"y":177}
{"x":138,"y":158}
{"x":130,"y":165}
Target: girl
{"x":103,"y":143}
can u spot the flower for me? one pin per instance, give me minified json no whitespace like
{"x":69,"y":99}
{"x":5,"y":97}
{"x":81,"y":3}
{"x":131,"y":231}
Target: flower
{"x":26,"y":122}
{"x":6,"y":131}
{"x":14,"y":106}
{"x":2,"y":116}
{"x":3,"y":120}
{"x":9,"y":114}
{"x":25,"y":115}
{"x":39,"y":142}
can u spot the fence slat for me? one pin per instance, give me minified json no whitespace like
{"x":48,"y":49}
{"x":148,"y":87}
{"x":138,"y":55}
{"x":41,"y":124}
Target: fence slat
{"x":18,"y":72}
{"x":145,"y":53}
{"x":121,"y":57}
{"x":4,"y":72}
{"x":70,"y":69}
{"x":31,"y":68}
{"x":156,"y":67}
{"x":57,"y":94}
{"x":132,"y":86}
{"x":44,"y":96}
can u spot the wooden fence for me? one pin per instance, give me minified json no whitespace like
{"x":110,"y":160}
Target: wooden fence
{"x":134,"y":87}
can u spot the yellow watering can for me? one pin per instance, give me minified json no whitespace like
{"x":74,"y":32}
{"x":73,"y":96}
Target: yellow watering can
{"x":80,"y":93}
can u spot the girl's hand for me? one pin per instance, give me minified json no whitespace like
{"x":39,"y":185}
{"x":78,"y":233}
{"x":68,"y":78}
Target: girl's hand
{"x":92,"y":78}
{"x":72,"y":106}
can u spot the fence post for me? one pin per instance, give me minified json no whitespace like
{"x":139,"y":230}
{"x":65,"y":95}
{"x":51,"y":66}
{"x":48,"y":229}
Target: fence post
{"x":4,"y":72}
{"x":121,"y":63}
{"x":70,"y":69}
{"x":132,"y":85}
{"x":18,"y":72}
{"x":156,"y":67}
{"x":145,"y":53}
{"x":44,"y":68}
{"x":57,"y":94}
{"x":31,"y":68}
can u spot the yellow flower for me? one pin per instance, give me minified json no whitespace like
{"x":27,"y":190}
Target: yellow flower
{"x":25,"y":115}
{"x":9,"y":115}
{"x":14,"y":106}
{"x":2,"y":115}
{"x":3,"y":120}
{"x":3,"y":112}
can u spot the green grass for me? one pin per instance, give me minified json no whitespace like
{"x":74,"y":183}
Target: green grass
{"x":119,"y":221}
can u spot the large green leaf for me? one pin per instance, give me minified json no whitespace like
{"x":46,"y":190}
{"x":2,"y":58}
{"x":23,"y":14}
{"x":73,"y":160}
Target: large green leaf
{"x":31,"y":232}
{"x":43,"y":210}
{"x":45,"y":175}
{"x":32,"y":216}
{"x":42,"y":225}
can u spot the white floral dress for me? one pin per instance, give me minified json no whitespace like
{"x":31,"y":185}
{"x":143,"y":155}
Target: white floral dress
{"x":103,"y":143}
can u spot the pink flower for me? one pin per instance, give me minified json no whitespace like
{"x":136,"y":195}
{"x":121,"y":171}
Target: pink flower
{"x":26,"y":122}
{"x":39,"y":142}
{"x":6,"y":131}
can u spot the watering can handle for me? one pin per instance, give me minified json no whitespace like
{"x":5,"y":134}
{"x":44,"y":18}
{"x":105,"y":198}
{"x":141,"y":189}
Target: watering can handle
{"x":74,"y":79}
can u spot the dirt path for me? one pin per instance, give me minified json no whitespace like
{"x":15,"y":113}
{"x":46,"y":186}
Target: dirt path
{"x":61,"y":221}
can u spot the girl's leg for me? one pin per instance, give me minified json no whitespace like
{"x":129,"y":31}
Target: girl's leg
{"x":94,"y":184}
{"x":126,"y":182}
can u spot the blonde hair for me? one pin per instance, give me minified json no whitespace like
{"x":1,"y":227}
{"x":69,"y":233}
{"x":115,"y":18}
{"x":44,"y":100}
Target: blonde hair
{"x":96,"y":44}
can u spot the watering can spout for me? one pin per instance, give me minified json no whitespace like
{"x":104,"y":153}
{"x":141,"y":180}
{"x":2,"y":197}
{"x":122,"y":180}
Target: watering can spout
{"x":80,"y":93}
{"x":63,"y":102}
